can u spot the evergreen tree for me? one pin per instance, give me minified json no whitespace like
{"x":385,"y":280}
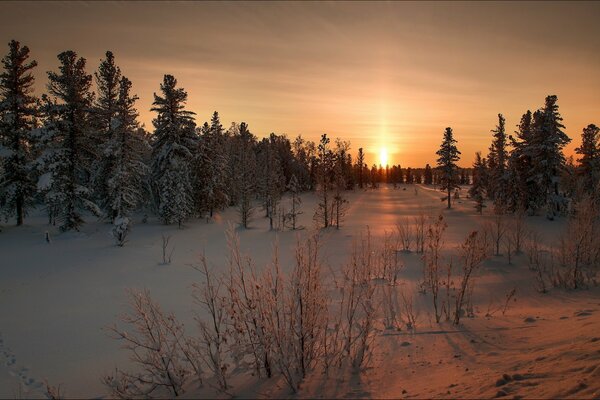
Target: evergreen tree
{"x":18,"y":109}
{"x":477,"y":190}
{"x":125,"y":174}
{"x":108,"y":81}
{"x":69,"y":148}
{"x":448,"y":156}
{"x":173,"y":143}
{"x":547,"y":156}
{"x":245,"y":172}
{"x":295,"y":202}
{"x":211,"y":167}
{"x":360,"y":167}
{"x":522,"y":188}
{"x":325,"y":182}
{"x":428,"y":176}
{"x":409,"y":176}
{"x":589,"y":163}
{"x":272,"y":179}
{"x":497,"y":160}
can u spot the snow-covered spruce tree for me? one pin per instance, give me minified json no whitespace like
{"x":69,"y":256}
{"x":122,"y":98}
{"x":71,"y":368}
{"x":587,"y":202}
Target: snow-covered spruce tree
{"x":339,"y":204}
{"x":521,"y":189}
{"x":448,"y":156}
{"x":173,"y":143}
{"x":104,"y":112}
{"x":344,"y":160}
{"x":325,"y":182}
{"x":477,"y":191}
{"x":68,"y":148}
{"x":547,"y":156}
{"x":271,"y":181}
{"x":301,"y":150}
{"x":244,"y":162}
{"x":360,"y":167}
{"x":18,"y":109}
{"x":497,"y":159}
{"x":428,"y":176}
{"x":211,"y":168}
{"x":125,"y":174}
{"x":295,"y":202}
{"x":589,"y":163}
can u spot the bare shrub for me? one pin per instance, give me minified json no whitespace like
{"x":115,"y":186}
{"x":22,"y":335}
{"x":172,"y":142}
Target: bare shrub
{"x":420,"y":222}
{"x":243,"y":301}
{"x":356,"y":305}
{"x":404,"y":233}
{"x":503,"y":306}
{"x":472,"y":253}
{"x":496,"y":229}
{"x":53,"y":392}
{"x":408,"y":315}
{"x":432,"y":260}
{"x":391,"y":309}
{"x":386,"y":263}
{"x":578,"y":252}
{"x":154,"y":342}
{"x":517,"y":231}
{"x":212,"y":344}
{"x":537,"y":261}
{"x":295,"y":314}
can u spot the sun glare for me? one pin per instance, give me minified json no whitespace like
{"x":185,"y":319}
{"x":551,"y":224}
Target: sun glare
{"x":383,"y":157}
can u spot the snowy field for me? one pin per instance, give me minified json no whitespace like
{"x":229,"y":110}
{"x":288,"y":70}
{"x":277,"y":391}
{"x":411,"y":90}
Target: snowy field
{"x":56,"y":299}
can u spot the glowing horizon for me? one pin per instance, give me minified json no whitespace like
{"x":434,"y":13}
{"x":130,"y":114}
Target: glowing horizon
{"x":382,"y":75}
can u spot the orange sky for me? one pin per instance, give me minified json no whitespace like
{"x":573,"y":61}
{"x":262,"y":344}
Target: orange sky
{"x":379,"y":74}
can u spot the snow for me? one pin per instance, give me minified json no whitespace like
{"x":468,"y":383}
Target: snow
{"x":57,"y":298}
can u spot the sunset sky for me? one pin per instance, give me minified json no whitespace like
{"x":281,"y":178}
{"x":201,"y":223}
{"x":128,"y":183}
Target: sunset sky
{"x":382,"y":75}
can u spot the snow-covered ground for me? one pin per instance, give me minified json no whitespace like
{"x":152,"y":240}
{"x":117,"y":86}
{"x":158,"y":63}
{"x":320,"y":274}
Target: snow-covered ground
{"x":57,"y":298}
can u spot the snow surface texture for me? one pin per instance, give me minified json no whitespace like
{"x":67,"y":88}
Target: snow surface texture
{"x":57,"y":298}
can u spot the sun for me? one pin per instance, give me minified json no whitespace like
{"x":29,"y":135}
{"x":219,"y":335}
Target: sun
{"x":383,"y":157}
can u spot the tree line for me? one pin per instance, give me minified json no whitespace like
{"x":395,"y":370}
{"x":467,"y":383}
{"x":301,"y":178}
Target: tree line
{"x":75,"y":149}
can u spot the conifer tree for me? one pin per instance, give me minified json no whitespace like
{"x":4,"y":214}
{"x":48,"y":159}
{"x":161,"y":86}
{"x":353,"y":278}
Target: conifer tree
{"x":522,"y":187}
{"x":126,"y":173}
{"x":272,"y":180}
{"x":360,"y":167}
{"x":409,"y":176}
{"x":448,"y":156}
{"x":589,"y":163}
{"x":546,"y":154}
{"x":173,"y":143}
{"x":340,"y":177}
{"x":497,"y":160}
{"x":108,"y":80}
{"x":245,"y":172}
{"x":295,"y":202}
{"x":18,"y":110}
{"x":211,"y":167}
{"x":69,"y":148}
{"x":325,"y":182}
{"x":428,"y":176}
{"x":477,"y":190}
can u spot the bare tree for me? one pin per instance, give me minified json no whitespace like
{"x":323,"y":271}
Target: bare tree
{"x":432,"y":259}
{"x":420,"y":221}
{"x":154,"y":343}
{"x":404,"y":233}
{"x":212,"y":345}
{"x":579,"y":248}
{"x":496,"y":229}
{"x":472,"y":253}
